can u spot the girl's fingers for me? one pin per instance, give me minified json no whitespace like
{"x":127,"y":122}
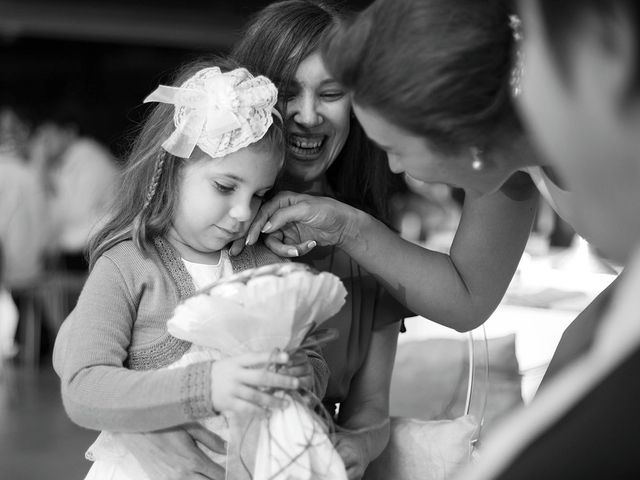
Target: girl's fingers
{"x":297,"y":371}
{"x":261,"y":359}
{"x":266,"y":379}
{"x":259,"y":399}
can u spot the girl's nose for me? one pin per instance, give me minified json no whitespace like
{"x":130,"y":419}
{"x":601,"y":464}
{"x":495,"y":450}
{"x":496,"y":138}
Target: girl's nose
{"x":241,"y":211}
{"x":306,"y":112}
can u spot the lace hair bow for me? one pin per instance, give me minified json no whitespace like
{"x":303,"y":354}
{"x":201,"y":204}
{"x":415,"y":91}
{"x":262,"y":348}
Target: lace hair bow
{"x":219,"y":112}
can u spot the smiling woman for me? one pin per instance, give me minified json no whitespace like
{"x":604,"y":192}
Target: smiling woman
{"x":317,"y":120}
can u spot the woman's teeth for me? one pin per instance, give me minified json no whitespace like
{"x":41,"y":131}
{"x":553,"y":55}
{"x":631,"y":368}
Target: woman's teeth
{"x":300,"y":145}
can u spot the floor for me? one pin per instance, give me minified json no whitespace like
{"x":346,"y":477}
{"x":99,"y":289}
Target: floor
{"x":37,"y":440}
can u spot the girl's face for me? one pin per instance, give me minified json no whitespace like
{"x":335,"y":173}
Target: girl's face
{"x":318,"y":111}
{"x":218,"y":198}
{"x":411,"y":154}
{"x":577,"y":121}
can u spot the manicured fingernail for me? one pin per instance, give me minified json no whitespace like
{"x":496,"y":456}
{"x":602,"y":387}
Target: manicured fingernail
{"x":267,"y":227}
{"x":292,"y":252}
{"x":311,"y":244}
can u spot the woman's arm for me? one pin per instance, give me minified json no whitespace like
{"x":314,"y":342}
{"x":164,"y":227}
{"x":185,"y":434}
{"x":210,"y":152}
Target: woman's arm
{"x":365,"y":412}
{"x":175,"y":453}
{"x":459,"y":290}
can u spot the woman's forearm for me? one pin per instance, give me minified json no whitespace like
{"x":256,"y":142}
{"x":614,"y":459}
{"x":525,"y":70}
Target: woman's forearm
{"x":459,"y":290}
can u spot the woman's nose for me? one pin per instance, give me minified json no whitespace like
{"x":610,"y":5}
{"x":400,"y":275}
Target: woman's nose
{"x":394,"y":164}
{"x":305,"y":111}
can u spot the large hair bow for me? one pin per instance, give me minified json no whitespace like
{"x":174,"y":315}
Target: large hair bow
{"x":219,"y":112}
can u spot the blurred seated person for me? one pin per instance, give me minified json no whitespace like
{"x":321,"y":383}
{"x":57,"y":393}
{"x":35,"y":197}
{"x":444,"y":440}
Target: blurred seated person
{"x":427,"y":213}
{"x":79,"y":175}
{"x":8,"y":318}
{"x":23,"y":226}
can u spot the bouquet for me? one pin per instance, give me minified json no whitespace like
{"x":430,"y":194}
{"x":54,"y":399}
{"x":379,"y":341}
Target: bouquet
{"x":270,"y":308}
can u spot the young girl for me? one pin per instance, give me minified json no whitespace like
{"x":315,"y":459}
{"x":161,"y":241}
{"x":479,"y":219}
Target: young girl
{"x":207,"y":155}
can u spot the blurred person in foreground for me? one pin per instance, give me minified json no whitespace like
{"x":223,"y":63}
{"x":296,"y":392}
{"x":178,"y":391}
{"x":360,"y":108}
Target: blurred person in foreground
{"x":581,"y":100}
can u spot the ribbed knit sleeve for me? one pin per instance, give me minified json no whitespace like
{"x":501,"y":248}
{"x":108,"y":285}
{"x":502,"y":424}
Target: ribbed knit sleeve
{"x":91,"y":352}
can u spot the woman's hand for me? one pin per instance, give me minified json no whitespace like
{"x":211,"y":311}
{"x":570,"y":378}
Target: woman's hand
{"x":353,"y":451}
{"x":173,"y":454}
{"x":240,"y":384}
{"x":297,"y":222}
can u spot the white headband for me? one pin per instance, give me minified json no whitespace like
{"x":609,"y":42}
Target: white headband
{"x":219,"y":112}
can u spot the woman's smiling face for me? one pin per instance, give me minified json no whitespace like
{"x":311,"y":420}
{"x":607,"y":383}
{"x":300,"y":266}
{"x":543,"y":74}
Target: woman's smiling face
{"x":318,"y":112}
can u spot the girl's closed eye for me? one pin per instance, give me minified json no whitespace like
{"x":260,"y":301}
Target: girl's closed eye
{"x":224,"y":188}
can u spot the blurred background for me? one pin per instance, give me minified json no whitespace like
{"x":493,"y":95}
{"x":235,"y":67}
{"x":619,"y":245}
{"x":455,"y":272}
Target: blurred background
{"x":73,"y":74}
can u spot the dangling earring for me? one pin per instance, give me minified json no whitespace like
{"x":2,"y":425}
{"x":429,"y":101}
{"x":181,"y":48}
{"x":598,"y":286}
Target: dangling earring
{"x":517,"y":70}
{"x":478,"y":163}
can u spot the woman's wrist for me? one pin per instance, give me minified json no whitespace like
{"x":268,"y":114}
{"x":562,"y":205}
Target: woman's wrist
{"x":353,"y":236}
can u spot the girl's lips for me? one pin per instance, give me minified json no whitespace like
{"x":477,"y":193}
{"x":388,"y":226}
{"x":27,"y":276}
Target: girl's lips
{"x":228,"y":232}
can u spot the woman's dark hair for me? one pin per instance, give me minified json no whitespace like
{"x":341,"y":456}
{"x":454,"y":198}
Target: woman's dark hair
{"x":274,"y":43}
{"x":145,"y":203}
{"x":437,"y":68}
{"x":560,"y":19}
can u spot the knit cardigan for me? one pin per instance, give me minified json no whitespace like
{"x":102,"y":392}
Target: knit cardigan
{"x":110,"y":350}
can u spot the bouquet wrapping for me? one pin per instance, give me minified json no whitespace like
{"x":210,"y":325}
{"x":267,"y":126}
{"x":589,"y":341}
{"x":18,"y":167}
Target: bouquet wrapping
{"x":275,"y":307}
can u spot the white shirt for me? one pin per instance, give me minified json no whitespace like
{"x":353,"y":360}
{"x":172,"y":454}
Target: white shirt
{"x":204,"y":274}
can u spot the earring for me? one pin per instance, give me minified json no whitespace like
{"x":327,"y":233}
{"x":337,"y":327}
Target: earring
{"x":517,"y":71}
{"x":478,"y":163}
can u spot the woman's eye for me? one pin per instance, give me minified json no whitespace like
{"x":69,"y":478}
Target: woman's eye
{"x":332,"y":95}
{"x":287,"y":96}
{"x":224,"y":188}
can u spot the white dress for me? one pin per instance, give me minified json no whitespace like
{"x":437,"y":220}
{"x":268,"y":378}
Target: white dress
{"x":111,"y":460}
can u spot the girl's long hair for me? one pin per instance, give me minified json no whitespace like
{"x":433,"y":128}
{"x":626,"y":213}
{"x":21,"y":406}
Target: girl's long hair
{"x":148,"y":192}
{"x":274,"y":43}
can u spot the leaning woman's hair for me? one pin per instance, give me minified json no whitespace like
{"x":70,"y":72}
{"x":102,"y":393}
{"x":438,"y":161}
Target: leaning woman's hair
{"x":437,"y":68}
{"x":145,"y":203}
{"x":276,"y":40}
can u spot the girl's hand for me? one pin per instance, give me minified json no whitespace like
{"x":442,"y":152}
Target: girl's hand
{"x":300,"y":367}
{"x":240,"y":384}
{"x":353,"y":451}
{"x":296,"y":223}
{"x":173,"y":454}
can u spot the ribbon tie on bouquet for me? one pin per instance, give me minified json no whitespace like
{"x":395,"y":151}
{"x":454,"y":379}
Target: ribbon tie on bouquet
{"x":218,"y":112}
